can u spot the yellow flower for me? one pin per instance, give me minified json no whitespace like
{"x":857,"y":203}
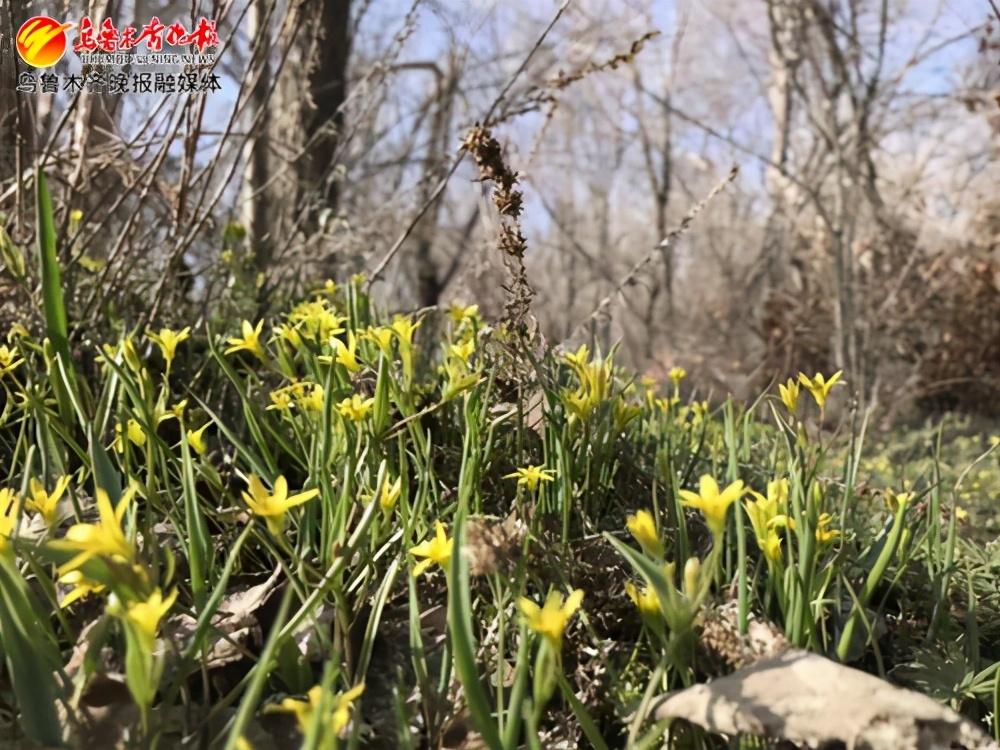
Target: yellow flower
{"x":463,"y":350}
{"x":281,"y":400}
{"x":168,"y":341}
{"x":355,"y":408}
{"x":162,"y":414}
{"x":763,"y":513}
{"x":305,"y":710}
{"x":578,"y":402}
{"x":644,"y":599}
{"x":625,"y":412}
{"x":104,"y":538}
{"x":699,"y":410}
{"x":403,"y":328}
{"x":390,"y":494}
{"x":459,"y":379}
{"x":196,"y":439}
{"x":692,"y":578}
{"x":777,"y":493}
{"x":135,"y":433}
{"x":676,"y":375}
{"x":594,"y":381}
{"x":531,"y":476}
{"x":824,"y":534}
{"x":177,"y":410}
{"x":8,"y":517}
{"x":312,"y":400}
{"x":18,"y":331}
{"x":342,"y":707}
{"x":819,"y":386}
{"x":249,"y":341}
{"x":961,"y":514}
{"x":550,"y":620}
{"x":128,"y":353}
{"x":665,"y":404}
{"x":789,"y":393}
{"x":288,"y":334}
{"x":272,"y":507}
{"x":712,"y":503}
{"x":346,"y":353}
{"x":9,"y":361}
{"x":435,"y":550}
{"x":894,"y":499}
{"x":382,"y":337}
{"x":46,"y":503}
{"x":318,"y":320}
{"x":76,"y":215}
{"x":82,"y":587}
{"x":578,"y":359}
{"x":643,"y":528}
{"x":460,"y":313}
{"x":145,"y":616}
{"x":770,"y":545}
{"x":92,"y":264}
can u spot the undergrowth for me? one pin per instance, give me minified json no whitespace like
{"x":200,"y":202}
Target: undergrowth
{"x":336,"y":528}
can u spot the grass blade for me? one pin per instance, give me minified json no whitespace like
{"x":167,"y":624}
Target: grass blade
{"x":56,"y":325}
{"x":464,"y":641}
{"x":31,"y":655}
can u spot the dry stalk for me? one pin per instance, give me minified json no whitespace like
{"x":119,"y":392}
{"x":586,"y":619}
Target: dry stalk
{"x":380,"y":267}
{"x":666,"y":242}
{"x":488,"y":154}
{"x":543,"y":95}
{"x":563,"y":80}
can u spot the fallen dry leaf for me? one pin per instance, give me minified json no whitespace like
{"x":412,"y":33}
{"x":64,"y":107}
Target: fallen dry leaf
{"x":812,"y":701}
{"x":235,"y":625}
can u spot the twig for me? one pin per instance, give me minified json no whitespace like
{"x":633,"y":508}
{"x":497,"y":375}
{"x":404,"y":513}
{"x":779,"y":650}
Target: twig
{"x":663,"y":244}
{"x":380,"y":267}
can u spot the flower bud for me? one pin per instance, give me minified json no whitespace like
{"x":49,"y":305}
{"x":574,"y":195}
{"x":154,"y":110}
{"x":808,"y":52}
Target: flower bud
{"x":692,"y":574}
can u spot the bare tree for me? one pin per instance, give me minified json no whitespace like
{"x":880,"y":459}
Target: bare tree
{"x":323,"y":116}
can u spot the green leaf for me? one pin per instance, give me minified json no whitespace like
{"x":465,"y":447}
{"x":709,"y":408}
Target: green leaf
{"x":582,"y":715}
{"x":32,"y":657}
{"x":199,"y":545}
{"x":105,"y":475}
{"x":380,"y":413}
{"x":12,"y":256}
{"x":651,"y":572}
{"x":464,"y":640}
{"x":48,"y":259}
{"x":206,"y":614}
{"x":260,"y":674}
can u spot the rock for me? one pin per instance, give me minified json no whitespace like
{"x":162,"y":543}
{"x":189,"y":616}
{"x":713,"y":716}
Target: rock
{"x":812,"y":701}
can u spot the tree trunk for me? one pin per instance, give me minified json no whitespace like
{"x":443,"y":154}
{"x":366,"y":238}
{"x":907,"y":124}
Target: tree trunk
{"x":783,"y":55}
{"x":16,"y":122}
{"x":323,"y":117}
{"x":429,"y":276}
{"x":256,"y":191}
